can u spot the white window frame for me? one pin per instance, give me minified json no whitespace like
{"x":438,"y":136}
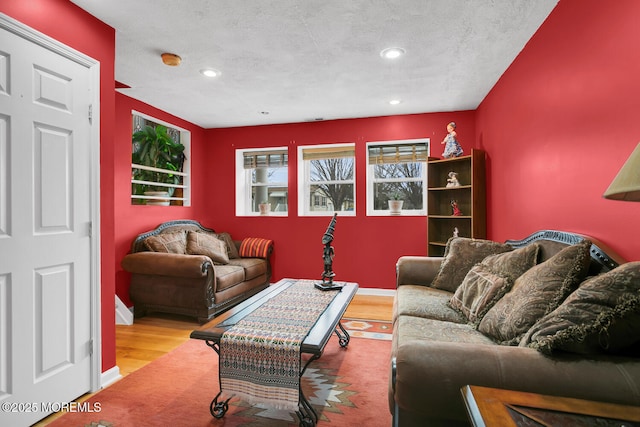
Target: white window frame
{"x":304,"y":181}
{"x":244,"y":184}
{"x":185,"y":139}
{"x":371,"y":180}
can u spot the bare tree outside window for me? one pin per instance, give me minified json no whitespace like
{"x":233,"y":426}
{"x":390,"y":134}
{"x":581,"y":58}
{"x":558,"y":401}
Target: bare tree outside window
{"x":328,"y":176}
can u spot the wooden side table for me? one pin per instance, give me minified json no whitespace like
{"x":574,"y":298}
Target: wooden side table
{"x":492,"y":407}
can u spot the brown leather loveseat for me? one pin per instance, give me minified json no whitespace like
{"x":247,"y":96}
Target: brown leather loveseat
{"x":184,"y":268}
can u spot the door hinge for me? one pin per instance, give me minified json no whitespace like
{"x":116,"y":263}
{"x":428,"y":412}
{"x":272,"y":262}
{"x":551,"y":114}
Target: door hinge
{"x":90,"y":113}
{"x":91,"y":347}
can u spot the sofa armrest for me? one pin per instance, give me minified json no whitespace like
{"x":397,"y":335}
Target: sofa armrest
{"x":165,"y":264}
{"x":417,"y":270}
{"x":430,"y":374}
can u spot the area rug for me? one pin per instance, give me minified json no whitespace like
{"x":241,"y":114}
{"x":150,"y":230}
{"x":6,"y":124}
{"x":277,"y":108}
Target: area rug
{"x":346,"y":386}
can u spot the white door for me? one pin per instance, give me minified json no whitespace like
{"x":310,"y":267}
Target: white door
{"x":45,"y":225}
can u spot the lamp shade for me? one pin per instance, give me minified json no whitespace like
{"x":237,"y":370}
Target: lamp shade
{"x":626,"y":185}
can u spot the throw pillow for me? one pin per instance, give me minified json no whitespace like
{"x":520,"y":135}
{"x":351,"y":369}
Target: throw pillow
{"x":205,"y":244}
{"x":255,"y":247}
{"x":601,"y":316}
{"x":489,"y":280}
{"x":460,"y":254}
{"x":536,"y":293}
{"x":173,"y":243}
{"x":232,"y":251}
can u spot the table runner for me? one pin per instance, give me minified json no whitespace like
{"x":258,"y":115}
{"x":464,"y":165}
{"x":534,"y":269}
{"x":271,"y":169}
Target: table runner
{"x":260,"y":358}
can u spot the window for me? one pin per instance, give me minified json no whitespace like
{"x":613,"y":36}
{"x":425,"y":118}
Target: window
{"x":262,"y":177}
{"x":326,"y":179}
{"x":397,"y":170}
{"x":159,"y":162}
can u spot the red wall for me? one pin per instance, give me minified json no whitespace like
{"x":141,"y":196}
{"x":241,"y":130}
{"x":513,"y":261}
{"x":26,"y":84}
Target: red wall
{"x":366,"y":247}
{"x":65,"y":22}
{"x":561,"y":122}
{"x":132,"y":220}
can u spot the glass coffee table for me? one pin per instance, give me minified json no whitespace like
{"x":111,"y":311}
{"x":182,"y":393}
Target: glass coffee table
{"x":313,"y":345}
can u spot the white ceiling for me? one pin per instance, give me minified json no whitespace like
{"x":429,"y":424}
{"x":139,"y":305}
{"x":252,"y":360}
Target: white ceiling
{"x":314,"y":59}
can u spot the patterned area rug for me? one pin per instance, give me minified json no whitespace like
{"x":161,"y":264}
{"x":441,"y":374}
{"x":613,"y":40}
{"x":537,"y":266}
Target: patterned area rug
{"x":346,"y":387}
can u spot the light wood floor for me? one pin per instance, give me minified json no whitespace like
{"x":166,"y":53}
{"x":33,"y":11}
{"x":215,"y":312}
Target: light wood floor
{"x":152,"y":336}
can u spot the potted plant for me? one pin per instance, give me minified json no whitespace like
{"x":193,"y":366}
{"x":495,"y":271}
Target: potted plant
{"x":153,"y":147}
{"x":395,"y":204}
{"x":265,"y":207}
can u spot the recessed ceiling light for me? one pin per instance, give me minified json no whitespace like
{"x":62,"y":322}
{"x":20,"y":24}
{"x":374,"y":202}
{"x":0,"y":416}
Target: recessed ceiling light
{"x":395,"y":102}
{"x":210,"y":72}
{"x":392,"y":52}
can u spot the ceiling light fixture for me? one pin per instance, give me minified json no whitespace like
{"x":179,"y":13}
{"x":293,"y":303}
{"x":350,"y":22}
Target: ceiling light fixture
{"x":171,"y":59}
{"x":395,"y":102}
{"x":392,"y":52}
{"x":210,"y":72}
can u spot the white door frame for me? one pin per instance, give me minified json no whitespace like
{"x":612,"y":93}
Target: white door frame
{"x":93,"y":66}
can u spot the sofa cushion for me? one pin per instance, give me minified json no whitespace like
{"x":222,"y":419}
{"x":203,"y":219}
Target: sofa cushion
{"x":205,"y":244}
{"x":537,"y":292}
{"x":173,"y":243}
{"x":428,"y":303}
{"x":601,"y":316}
{"x":460,"y":254}
{"x":253,"y":267}
{"x":255,"y":247}
{"x":489,"y":280}
{"x":410,"y":328}
{"x":232,"y":250}
{"x":228,"y":276}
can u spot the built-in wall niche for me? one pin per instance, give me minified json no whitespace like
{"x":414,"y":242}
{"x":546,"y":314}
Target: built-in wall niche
{"x":160,"y":154}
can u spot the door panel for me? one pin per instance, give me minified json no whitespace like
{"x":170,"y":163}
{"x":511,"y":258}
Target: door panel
{"x":45,"y":217}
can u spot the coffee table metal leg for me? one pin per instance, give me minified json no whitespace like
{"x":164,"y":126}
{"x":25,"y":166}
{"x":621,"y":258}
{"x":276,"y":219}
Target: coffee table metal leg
{"x":343,"y":335}
{"x":306,"y":413}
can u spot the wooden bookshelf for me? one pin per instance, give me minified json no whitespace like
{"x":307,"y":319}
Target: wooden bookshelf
{"x":470,"y":196}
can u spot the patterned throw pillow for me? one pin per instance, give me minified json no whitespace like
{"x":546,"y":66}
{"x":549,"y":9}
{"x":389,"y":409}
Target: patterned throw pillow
{"x":232,"y":251}
{"x":601,"y":316}
{"x":255,"y":247}
{"x":173,"y":243}
{"x":489,"y":280}
{"x":460,"y":254}
{"x":536,"y":293}
{"x":205,"y":244}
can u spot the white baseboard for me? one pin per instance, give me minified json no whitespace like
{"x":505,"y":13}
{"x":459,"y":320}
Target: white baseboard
{"x":376,"y":292}
{"x":124,"y":316}
{"x":109,"y":377}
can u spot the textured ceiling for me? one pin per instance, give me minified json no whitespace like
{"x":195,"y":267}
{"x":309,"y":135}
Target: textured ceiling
{"x":312,"y":60}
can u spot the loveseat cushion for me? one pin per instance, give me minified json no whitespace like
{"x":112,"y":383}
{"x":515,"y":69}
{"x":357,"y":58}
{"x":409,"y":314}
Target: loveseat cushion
{"x":537,"y":292}
{"x":228,"y":276}
{"x":232,"y":250}
{"x":172,"y":243}
{"x":462,"y":253}
{"x":205,"y":244}
{"x":601,"y":316}
{"x":253,"y":267}
{"x":428,"y":303}
{"x":489,"y":280}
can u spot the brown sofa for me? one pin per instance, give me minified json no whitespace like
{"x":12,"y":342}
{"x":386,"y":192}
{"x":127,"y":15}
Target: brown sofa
{"x":184,"y":268}
{"x":591,"y":352}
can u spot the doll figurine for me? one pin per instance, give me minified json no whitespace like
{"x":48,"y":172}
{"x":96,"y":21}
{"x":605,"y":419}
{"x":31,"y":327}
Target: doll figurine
{"x":455,"y":210}
{"x":452,"y":181}
{"x":452,"y":147}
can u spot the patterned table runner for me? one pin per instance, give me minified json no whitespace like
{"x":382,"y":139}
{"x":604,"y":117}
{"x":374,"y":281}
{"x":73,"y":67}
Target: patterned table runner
{"x":260,"y":356}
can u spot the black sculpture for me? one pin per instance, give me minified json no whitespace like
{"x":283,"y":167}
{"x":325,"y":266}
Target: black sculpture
{"x":327,"y":255}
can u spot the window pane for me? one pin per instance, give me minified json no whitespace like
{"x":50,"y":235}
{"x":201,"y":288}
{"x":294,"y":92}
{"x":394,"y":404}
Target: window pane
{"x":340,"y":169}
{"x":331,"y":197}
{"x":276,"y":196}
{"x":269,"y":175}
{"x":398,"y":170}
{"x":410,"y":192}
